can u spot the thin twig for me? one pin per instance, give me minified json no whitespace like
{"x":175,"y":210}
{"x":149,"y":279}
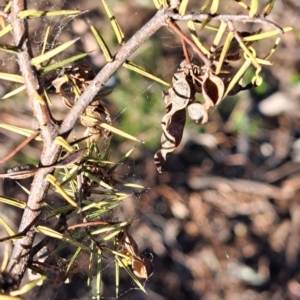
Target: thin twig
{"x":87,"y":224}
{"x":202,"y":56}
{"x":26,"y":171}
{"x":21,"y":250}
{"x":238,"y":18}
{"x":3,"y":14}
{"x":235,"y":33}
{"x":185,"y":51}
{"x":23,"y":144}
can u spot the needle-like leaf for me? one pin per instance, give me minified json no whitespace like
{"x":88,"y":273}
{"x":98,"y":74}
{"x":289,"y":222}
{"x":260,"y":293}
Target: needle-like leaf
{"x":111,"y":128}
{"x":139,"y":70}
{"x":60,"y":190}
{"x":117,"y":29}
{"x":102,"y":44}
{"x":33,"y":13}
{"x":268,"y":8}
{"x":36,"y":61}
{"x":253,"y":8}
{"x":11,"y":77}
{"x":14,"y":92}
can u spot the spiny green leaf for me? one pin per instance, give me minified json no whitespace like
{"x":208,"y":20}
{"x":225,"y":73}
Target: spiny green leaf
{"x":110,"y":227}
{"x":204,"y":6}
{"x":20,"y":130}
{"x":224,"y":51}
{"x":219,"y":35}
{"x":5,"y":30}
{"x":133,"y":185}
{"x":111,"y":128}
{"x":7,"y":227}
{"x":60,"y":190}
{"x":134,"y":278}
{"x":264,"y":35}
{"x":214,"y":7}
{"x":117,"y":29}
{"x":45,"y":39}
{"x":242,"y":4}
{"x":27,"y":287}
{"x":191,"y":26}
{"x":253,"y":8}
{"x":98,"y":276}
{"x":137,"y":69}
{"x":57,"y":235}
{"x":9,"y":49}
{"x":39,"y":98}
{"x":273,"y":48}
{"x":62,"y":142}
{"x":120,"y":162}
{"x":102,"y":45}
{"x":183,"y":6}
{"x":14,"y":92}
{"x":97,"y":180}
{"x":33,"y":13}
{"x":237,"y":76}
{"x":268,"y":8}
{"x":63,"y":63}
{"x":11,"y":77}
{"x":36,"y":61}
